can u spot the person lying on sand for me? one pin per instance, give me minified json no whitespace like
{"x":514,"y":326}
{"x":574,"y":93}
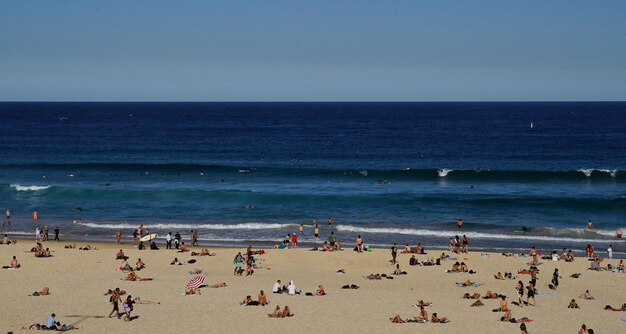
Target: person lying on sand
{"x":6,"y":241}
{"x":611,"y":308}
{"x":572,"y":304}
{"x":477,"y":303}
{"x":436,"y":320}
{"x":374,"y":276}
{"x":467,"y":283}
{"x":218,"y":285}
{"x":70,"y":246}
{"x":491,"y":295}
{"x":89,"y":247}
{"x":193,"y":291}
{"x":397,"y":319}
{"x":203,"y":252}
{"x":472,"y":296}
{"x":44,"y":292}
{"x":176,"y":262}
{"x":320,"y":291}
{"x":138,"y":300}
{"x":350,"y":286}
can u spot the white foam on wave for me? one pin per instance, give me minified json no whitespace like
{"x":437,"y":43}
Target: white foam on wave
{"x":168,"y":226}
{"x":588,"y":172}
{"x":444,"y":172}
{"x":18,"y":187}
{"x":448,"y":234}
{"x":612,"y":172}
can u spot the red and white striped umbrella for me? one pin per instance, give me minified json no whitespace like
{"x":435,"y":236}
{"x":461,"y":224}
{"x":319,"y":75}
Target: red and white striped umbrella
{"x":195,"y":282}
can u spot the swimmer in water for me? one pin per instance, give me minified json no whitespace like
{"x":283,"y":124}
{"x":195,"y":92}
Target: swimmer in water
{"x":589,"y":225}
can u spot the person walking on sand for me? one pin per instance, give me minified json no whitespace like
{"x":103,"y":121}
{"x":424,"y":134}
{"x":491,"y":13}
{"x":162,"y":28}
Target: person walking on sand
{"x":115,"y":299}
{"x":118,"y":236}
{"x":359,"y":244}
{"x":194,"y":238}
{"x":394,"y":253}
{"x":56,"y":233}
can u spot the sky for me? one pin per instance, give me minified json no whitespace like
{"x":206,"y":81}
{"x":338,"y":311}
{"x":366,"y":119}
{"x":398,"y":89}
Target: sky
{"x":312,"y":50}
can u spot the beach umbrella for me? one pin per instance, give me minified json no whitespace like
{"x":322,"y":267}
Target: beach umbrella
{"x":195,"y":282}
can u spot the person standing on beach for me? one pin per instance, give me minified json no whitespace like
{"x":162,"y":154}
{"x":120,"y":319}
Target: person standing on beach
{"x":555,"y":278}
{"x":118,"y":236}
{"x":45,"y":232}
{"x":609,"y":251}
{"x":194,"y":238}
{"x":56,"y":233}
{"x":168,"y":241}
{"x":177,"y":239}
{"x":332,"y":239}
{"x":294,"y":240}
{"x":316,"y":231}
{"x":37,"y":234}
{"x":465,"y":242}
{"x":301,"y":229}
{"x":394,"y":253}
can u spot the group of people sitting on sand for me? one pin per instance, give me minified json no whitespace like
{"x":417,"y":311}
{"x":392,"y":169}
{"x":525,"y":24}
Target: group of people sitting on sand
{"x":52,"y":324}
{"x":507,"y":275}
{"x":262,"y":300}
{"x":278,"y":313}
{"x":39,"y":251}
{"x":288,"y":289}
{"x":203,"y":252}
{"x":73,"y":246}
{"x":421,"y":318}
{"x":419,"y":249}
{"x":460,"y":268}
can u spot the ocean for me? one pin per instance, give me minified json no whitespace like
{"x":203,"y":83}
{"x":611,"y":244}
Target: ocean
{"x":249,"y":173}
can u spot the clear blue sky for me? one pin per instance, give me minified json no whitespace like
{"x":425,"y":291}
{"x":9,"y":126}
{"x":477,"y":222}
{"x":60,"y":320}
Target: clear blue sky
{"x":312,"y":50}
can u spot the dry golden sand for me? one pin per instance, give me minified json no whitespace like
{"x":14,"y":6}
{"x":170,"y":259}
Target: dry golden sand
{"x":78,"y":279}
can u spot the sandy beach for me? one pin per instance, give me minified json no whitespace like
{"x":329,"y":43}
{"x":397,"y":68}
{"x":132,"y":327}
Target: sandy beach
{"x":78,"y":280}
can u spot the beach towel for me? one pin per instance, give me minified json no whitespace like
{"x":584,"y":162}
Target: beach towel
{"x":547,"y":292}
{"x":622,"y":319}
{"x":475,"y":285}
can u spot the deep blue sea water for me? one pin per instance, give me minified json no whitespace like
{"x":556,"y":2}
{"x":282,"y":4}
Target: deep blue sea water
{"x":374,"y":167}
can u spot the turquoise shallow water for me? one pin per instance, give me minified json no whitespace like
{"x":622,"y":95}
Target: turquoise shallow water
{"x":400,"y":172}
